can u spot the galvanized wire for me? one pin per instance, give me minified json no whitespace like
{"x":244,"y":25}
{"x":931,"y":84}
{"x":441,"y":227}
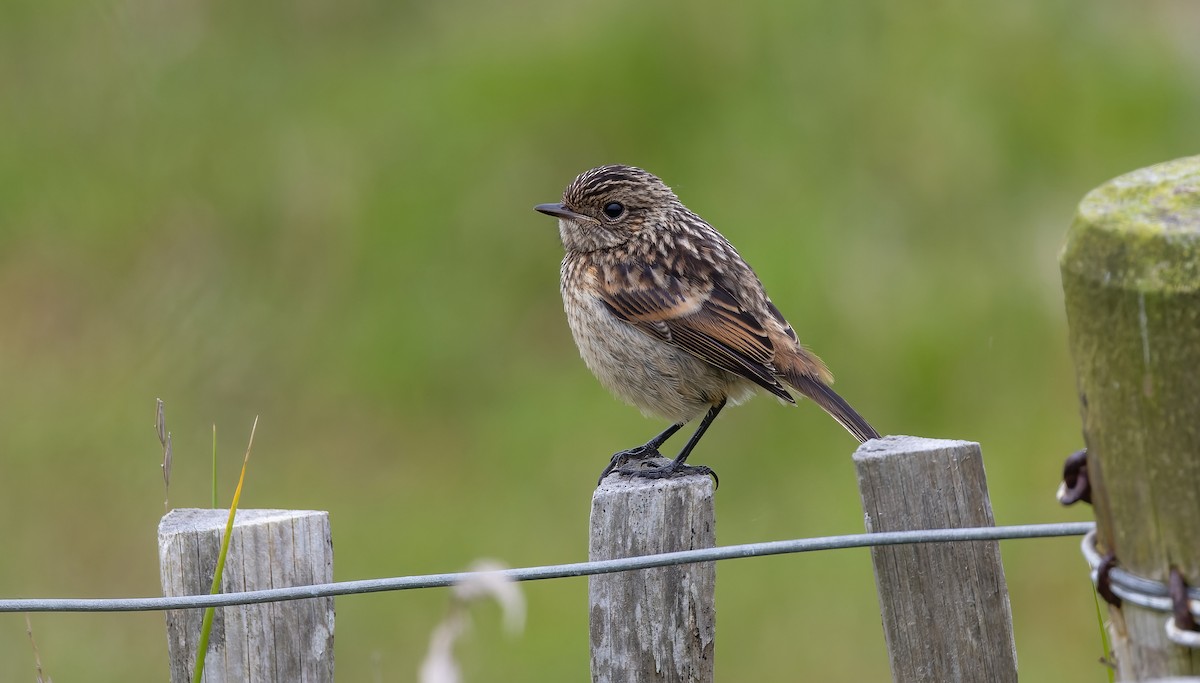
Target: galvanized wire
{"x":557,"y":571}
{"x":1143,"y":592}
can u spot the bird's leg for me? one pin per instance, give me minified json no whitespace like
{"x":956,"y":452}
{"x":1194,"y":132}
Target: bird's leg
{"x":708,"y":420}
{"x":677,"y":467}
{"x":646,"y":450}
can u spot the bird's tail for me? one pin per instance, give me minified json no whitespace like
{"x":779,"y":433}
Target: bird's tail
{"x":835,"y":405}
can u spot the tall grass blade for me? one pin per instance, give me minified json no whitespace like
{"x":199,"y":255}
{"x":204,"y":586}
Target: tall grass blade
{"x":214,"y":464}
{"x":206,"y":625}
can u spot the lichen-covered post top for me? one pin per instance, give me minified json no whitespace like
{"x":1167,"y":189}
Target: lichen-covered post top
{"x":1140,"y":230}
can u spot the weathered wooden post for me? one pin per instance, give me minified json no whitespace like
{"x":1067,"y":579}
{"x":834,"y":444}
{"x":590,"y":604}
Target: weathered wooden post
{"x":1131,"y":280}
{"x":946,"y":615}
{"x":277,"y":641}
{"x":652,"y":624}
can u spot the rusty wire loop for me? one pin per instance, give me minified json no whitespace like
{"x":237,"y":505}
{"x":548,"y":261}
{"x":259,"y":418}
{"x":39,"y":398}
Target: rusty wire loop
{"x":1075,"y":484}
{"x":1176,"y":599}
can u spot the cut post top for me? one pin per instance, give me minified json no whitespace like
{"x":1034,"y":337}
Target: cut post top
{"x":899,"y":444}
{"x":214,"y":519}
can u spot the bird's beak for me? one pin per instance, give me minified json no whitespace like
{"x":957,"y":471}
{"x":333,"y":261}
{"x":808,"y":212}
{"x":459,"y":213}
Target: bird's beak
{"x":558,"y":211}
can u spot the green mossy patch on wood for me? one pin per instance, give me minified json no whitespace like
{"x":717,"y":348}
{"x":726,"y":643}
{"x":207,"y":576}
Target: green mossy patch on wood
{"x":1141,"y":230}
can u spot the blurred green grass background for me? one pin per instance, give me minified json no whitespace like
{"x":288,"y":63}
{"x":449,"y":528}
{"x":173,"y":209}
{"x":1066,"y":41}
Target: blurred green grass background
{"x":321,"y":213}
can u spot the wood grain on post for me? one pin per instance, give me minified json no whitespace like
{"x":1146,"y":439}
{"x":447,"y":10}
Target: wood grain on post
{"x":652,"y":624}
{"x":275,"y":641}
{"x":1131,"y":280}
{"x":945,"y":606}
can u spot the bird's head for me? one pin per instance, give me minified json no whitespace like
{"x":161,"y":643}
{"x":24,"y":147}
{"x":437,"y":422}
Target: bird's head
{"x":606,"y":206}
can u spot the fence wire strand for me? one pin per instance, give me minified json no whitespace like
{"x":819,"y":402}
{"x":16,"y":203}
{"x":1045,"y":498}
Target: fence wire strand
{"x":558,"y":571}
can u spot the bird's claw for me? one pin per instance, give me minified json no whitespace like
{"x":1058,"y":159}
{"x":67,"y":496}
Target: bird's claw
{"x":671,"y":470}
{"x":621,"y":460}
{"x":638,"y":462}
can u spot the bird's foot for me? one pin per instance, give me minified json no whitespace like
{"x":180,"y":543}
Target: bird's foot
{"x":623,"y":459}
{"x":670,"y":470}
{"x":641,"y":462}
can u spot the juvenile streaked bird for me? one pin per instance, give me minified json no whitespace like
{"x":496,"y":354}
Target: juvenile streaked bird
{"x":670,"y":318}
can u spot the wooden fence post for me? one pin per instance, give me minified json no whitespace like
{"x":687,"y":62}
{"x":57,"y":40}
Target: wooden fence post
{"x":276,"y":641}
{"x":945,"y":606}
{"x":1131,"y":280}
{"x":652,"y":624}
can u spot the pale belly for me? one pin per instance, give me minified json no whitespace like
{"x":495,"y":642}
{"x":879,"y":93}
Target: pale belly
{"x":654,"y":376}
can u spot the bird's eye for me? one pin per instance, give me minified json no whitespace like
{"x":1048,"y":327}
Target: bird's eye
{"x":614,"y":210}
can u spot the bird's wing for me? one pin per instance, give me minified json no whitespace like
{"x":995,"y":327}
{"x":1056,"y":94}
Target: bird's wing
{"x":699,"y":314}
